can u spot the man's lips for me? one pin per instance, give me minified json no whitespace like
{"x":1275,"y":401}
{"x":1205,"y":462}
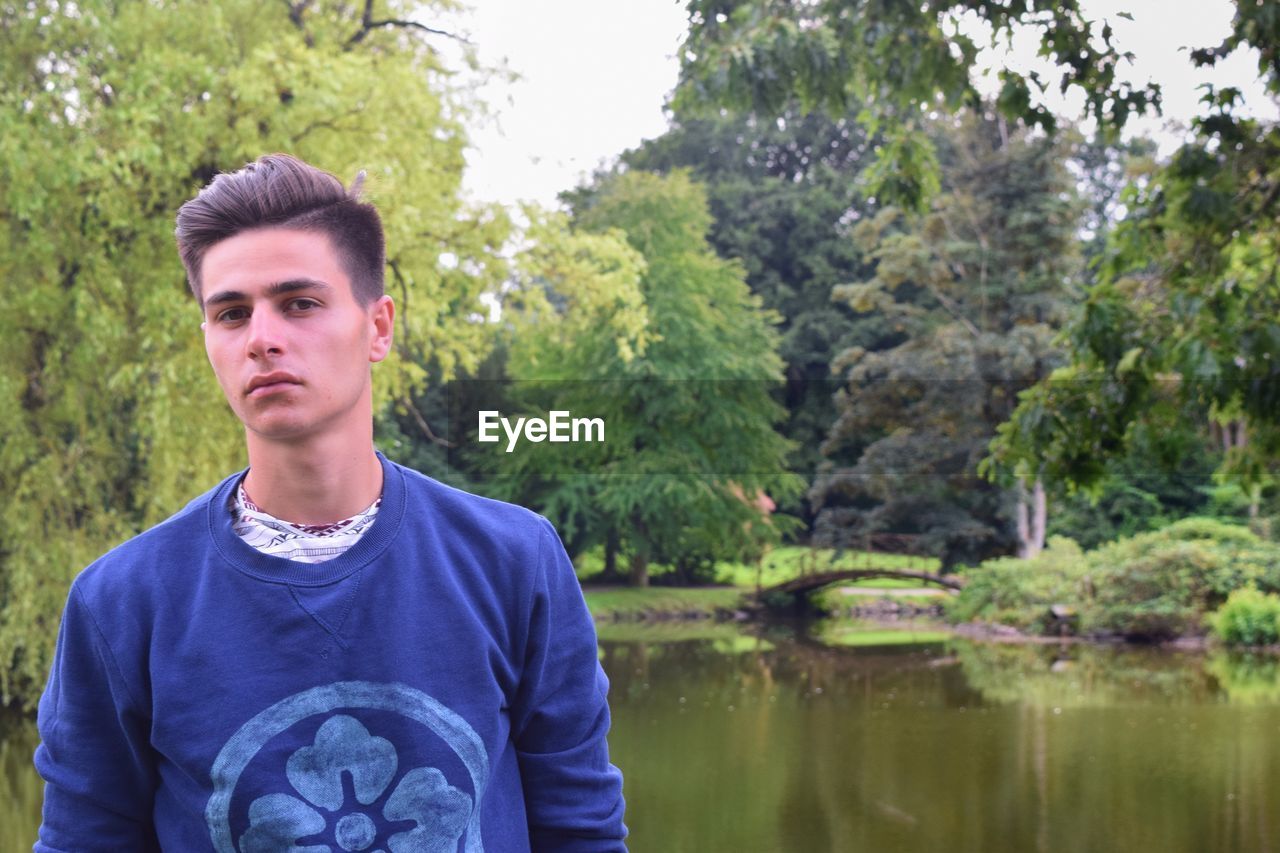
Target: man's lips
{"x":270,"y":383}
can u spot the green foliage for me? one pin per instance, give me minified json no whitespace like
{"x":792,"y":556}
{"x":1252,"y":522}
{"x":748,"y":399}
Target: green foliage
{"x":1165,"y":474}
{"x":1152,"y":586}
{"x":1156,"y":589}
{"x":1162,"y":584}
{"x":1184,"y":310}
{"x":894,"y":60}
{"x":112,"y":115}
{"x":780,"y":194}
{"x":976,"y":291}
{"x":676,"y":356}
{"x":1247,"y":618}
{"x":1018,"y":592}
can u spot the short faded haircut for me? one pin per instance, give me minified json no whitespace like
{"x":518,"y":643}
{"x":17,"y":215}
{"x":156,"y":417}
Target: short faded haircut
{"x":281,"y":191}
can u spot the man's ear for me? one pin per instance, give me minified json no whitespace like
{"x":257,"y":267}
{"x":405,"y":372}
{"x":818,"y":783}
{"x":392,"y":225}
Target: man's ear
{"x":382,"y":314}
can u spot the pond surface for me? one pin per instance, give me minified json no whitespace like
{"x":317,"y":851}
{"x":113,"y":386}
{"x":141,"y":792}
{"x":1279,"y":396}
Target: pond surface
{"x":841,"y":740}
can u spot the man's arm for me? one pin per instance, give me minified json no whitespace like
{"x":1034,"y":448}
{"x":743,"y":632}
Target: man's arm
{"x":95,"y":754}
{"x":573,"y":795}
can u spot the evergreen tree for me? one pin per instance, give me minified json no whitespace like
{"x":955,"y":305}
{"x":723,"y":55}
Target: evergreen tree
{"x":977,"y":289}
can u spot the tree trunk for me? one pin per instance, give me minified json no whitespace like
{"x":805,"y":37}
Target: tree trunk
{"x":640,"y":557}
{"x":1235,"y":434}
{"x":611,"y":545}
{"x":1024,"y":528}
{"x":1040,"y":514}
{"x":640,"y":569}
{"x":1032,"y":511}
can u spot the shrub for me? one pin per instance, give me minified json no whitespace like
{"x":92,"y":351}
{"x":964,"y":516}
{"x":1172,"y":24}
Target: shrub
{"x":1152,"y":586}
{"x":1017,"y":592}
{"x":1162,"y":584}
{"x":1220,"y":532}
{"x":1248,"y":618}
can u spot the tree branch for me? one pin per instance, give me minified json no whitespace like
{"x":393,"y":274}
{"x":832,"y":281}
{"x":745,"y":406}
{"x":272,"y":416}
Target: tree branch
{"x":404,"y":305}
{"x":422,"y":423}
{"x":327,"y":124}
{"x":296,"y":10}
{"x":367,"y":23}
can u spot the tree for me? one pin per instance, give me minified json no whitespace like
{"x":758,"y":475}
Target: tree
{"x":781,"y":194}
{"x":1184,"y":310}
{"x":894,"y":60}
{"x":682,"y":383}
{"x":978,"y":288}
{"x":113,"y":114}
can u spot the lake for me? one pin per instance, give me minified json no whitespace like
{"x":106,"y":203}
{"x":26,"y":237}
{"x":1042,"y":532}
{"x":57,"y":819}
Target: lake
{"x":828,"y":737}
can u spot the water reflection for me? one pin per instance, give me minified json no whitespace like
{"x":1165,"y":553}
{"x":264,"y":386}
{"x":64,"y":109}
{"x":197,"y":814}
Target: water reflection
{"x":816,"y":738}
{"x":953,"y":746}
{"x":20,"y":787}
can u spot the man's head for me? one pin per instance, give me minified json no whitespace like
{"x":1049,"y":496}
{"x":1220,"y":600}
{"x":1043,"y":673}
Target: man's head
{"x":277,"y":190}
{"x":287,"y":266}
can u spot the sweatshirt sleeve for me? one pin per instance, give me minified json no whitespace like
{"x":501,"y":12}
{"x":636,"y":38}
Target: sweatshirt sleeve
{"x":573,"y":795}
{"x":94,"y":754}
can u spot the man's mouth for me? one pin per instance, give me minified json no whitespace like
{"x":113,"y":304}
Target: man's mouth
{"x":270,"y":383}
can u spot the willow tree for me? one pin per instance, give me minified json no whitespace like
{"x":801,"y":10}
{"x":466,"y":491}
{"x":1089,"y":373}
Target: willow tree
{"x":111,"y":115}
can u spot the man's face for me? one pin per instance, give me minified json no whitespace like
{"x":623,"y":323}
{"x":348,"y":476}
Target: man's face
{"x":288,"y":342}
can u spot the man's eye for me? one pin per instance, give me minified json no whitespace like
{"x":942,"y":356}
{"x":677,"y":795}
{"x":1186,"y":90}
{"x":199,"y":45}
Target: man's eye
{"x":304,"y":304}
{"x":231,"y":315}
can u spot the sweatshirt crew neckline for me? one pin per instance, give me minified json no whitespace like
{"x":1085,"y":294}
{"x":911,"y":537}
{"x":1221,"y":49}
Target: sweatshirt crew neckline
{"x":247,"y":559}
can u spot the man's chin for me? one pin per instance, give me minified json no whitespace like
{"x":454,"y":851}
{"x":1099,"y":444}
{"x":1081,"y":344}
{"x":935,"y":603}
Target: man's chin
{"x":278,"y":429}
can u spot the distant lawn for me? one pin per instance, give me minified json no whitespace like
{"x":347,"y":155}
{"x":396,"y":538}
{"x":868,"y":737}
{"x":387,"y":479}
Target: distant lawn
{"x":788,"y":562}
{"x":614,"y":602}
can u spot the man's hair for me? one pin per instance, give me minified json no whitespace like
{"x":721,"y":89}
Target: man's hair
{"x":280,"y":191}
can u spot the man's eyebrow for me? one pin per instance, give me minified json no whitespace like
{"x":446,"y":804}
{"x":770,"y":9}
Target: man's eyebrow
{"x":273,"y":289}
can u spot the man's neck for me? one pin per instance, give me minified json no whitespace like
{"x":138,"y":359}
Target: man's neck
{"x":309,"y":483}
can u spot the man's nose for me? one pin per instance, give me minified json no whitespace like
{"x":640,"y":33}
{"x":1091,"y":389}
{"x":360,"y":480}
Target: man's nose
{"x":266,"y":335}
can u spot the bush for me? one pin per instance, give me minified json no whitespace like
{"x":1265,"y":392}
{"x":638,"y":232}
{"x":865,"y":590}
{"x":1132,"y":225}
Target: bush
{"x":1162,"y":584}
{"x":1016,"y":592}
{"x":1220,"y":532}
{"x":1152,"y":586}
{"x":1248,"y":618}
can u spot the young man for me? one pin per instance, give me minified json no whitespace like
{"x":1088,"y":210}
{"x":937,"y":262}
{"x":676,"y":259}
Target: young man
{"x":327,"y":651}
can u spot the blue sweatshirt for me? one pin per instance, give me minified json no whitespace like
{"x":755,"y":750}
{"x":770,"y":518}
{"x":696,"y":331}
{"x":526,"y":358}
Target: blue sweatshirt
{"x":434,"y":688}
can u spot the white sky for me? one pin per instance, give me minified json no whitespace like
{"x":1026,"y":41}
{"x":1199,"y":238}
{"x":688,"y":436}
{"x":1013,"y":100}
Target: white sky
{"x":595,"y":74}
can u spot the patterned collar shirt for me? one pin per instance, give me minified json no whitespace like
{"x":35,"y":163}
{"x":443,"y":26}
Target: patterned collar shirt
{"x":303,"y":543}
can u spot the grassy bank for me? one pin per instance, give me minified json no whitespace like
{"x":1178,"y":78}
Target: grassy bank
{"x":733,"y":580}
{"x":659,"y":602}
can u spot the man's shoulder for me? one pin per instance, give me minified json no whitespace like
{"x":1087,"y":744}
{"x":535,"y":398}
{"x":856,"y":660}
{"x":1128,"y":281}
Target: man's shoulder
{"x":490,"y":544}
{"x":132,"y":564}
{"x":475,"y":516}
